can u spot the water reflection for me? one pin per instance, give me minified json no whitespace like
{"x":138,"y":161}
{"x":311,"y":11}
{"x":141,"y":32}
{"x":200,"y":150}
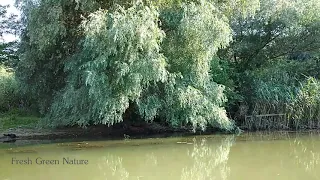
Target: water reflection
{"x":114,"y":165}
{"x":209,"y":162}
{"x":305,"y":153}
{"x":194,"y":161}
{"x":151,"y":160}
{"x":284,"y":155}
{"x":262,"y":156}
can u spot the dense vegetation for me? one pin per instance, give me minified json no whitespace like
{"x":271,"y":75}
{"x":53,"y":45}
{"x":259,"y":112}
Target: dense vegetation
{"x":182,"y":63}
{"x":8,"y":59}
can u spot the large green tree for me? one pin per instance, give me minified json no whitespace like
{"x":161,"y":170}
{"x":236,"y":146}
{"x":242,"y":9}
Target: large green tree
{"x":88,"y":62}
{"x":9,"y":24}
{"x":279,"y":30}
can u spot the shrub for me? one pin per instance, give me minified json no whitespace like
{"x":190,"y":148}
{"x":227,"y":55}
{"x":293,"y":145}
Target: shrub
{"x":9,"y":95}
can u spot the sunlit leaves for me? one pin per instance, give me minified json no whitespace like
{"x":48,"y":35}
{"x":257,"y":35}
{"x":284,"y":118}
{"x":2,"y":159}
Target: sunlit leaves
{"x":194,"y":39}
{"x":119,"y":60}
{"x":106,"y":56}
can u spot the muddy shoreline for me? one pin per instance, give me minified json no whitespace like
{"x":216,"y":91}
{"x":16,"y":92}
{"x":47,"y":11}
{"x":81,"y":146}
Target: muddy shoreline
{"x":98,"y":132}
{"x":101,"y":132}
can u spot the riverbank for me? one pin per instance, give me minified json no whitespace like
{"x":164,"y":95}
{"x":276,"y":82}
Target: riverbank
{"x":96,"y":132}
{"x":26,"y":128}
{"x":101,"y":132}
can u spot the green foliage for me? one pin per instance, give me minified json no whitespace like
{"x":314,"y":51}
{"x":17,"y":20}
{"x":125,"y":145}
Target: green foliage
{"x":181,"y":61}
{"x":17,"y":119}
{"x":11,"y":98}
{"x":9,"y":95}
{"x":223,"y":72}
{"x":87,"y":61}
{"x":197,"y":33}
{"x":8,"y":25}
{"x":305,"y":109}
{"x":279,"y":28}
{"x":281,"y":88}
{"x":8,"y":54}
{"x":120,"y":58}
{"x":45,"y":45}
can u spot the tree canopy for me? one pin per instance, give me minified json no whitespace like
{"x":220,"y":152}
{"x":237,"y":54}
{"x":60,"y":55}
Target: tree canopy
{"x":8,"y":25}
{"x":90,"y":61}
{"x":87,"y":61}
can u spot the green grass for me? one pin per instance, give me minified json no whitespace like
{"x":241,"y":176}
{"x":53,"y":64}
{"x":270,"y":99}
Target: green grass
{"x":15,"y":120}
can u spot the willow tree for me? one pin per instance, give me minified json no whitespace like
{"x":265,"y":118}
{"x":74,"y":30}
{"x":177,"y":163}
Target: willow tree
{"x":279,"y":29}
{"x":88,"y":61}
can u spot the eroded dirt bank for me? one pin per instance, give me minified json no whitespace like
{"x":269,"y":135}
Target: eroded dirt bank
{"x":119,"y":131}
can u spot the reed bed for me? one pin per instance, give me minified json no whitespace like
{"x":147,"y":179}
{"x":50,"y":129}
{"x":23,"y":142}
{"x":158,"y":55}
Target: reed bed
{"x":283,"y":106}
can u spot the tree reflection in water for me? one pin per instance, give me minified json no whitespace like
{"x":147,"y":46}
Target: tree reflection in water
{"x":151,"y":160}
{"x":114,"y":165}
{"x":306,"y":154}
{"x":209,"y":162}
{"x":200,"y":160}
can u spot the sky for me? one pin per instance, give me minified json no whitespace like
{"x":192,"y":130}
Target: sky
{"x":11,"y":10}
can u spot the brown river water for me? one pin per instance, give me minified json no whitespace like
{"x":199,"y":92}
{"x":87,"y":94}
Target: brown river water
{"x":249,"y":156}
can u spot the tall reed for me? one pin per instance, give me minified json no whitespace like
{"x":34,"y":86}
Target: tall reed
{"x":278,"y":92}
